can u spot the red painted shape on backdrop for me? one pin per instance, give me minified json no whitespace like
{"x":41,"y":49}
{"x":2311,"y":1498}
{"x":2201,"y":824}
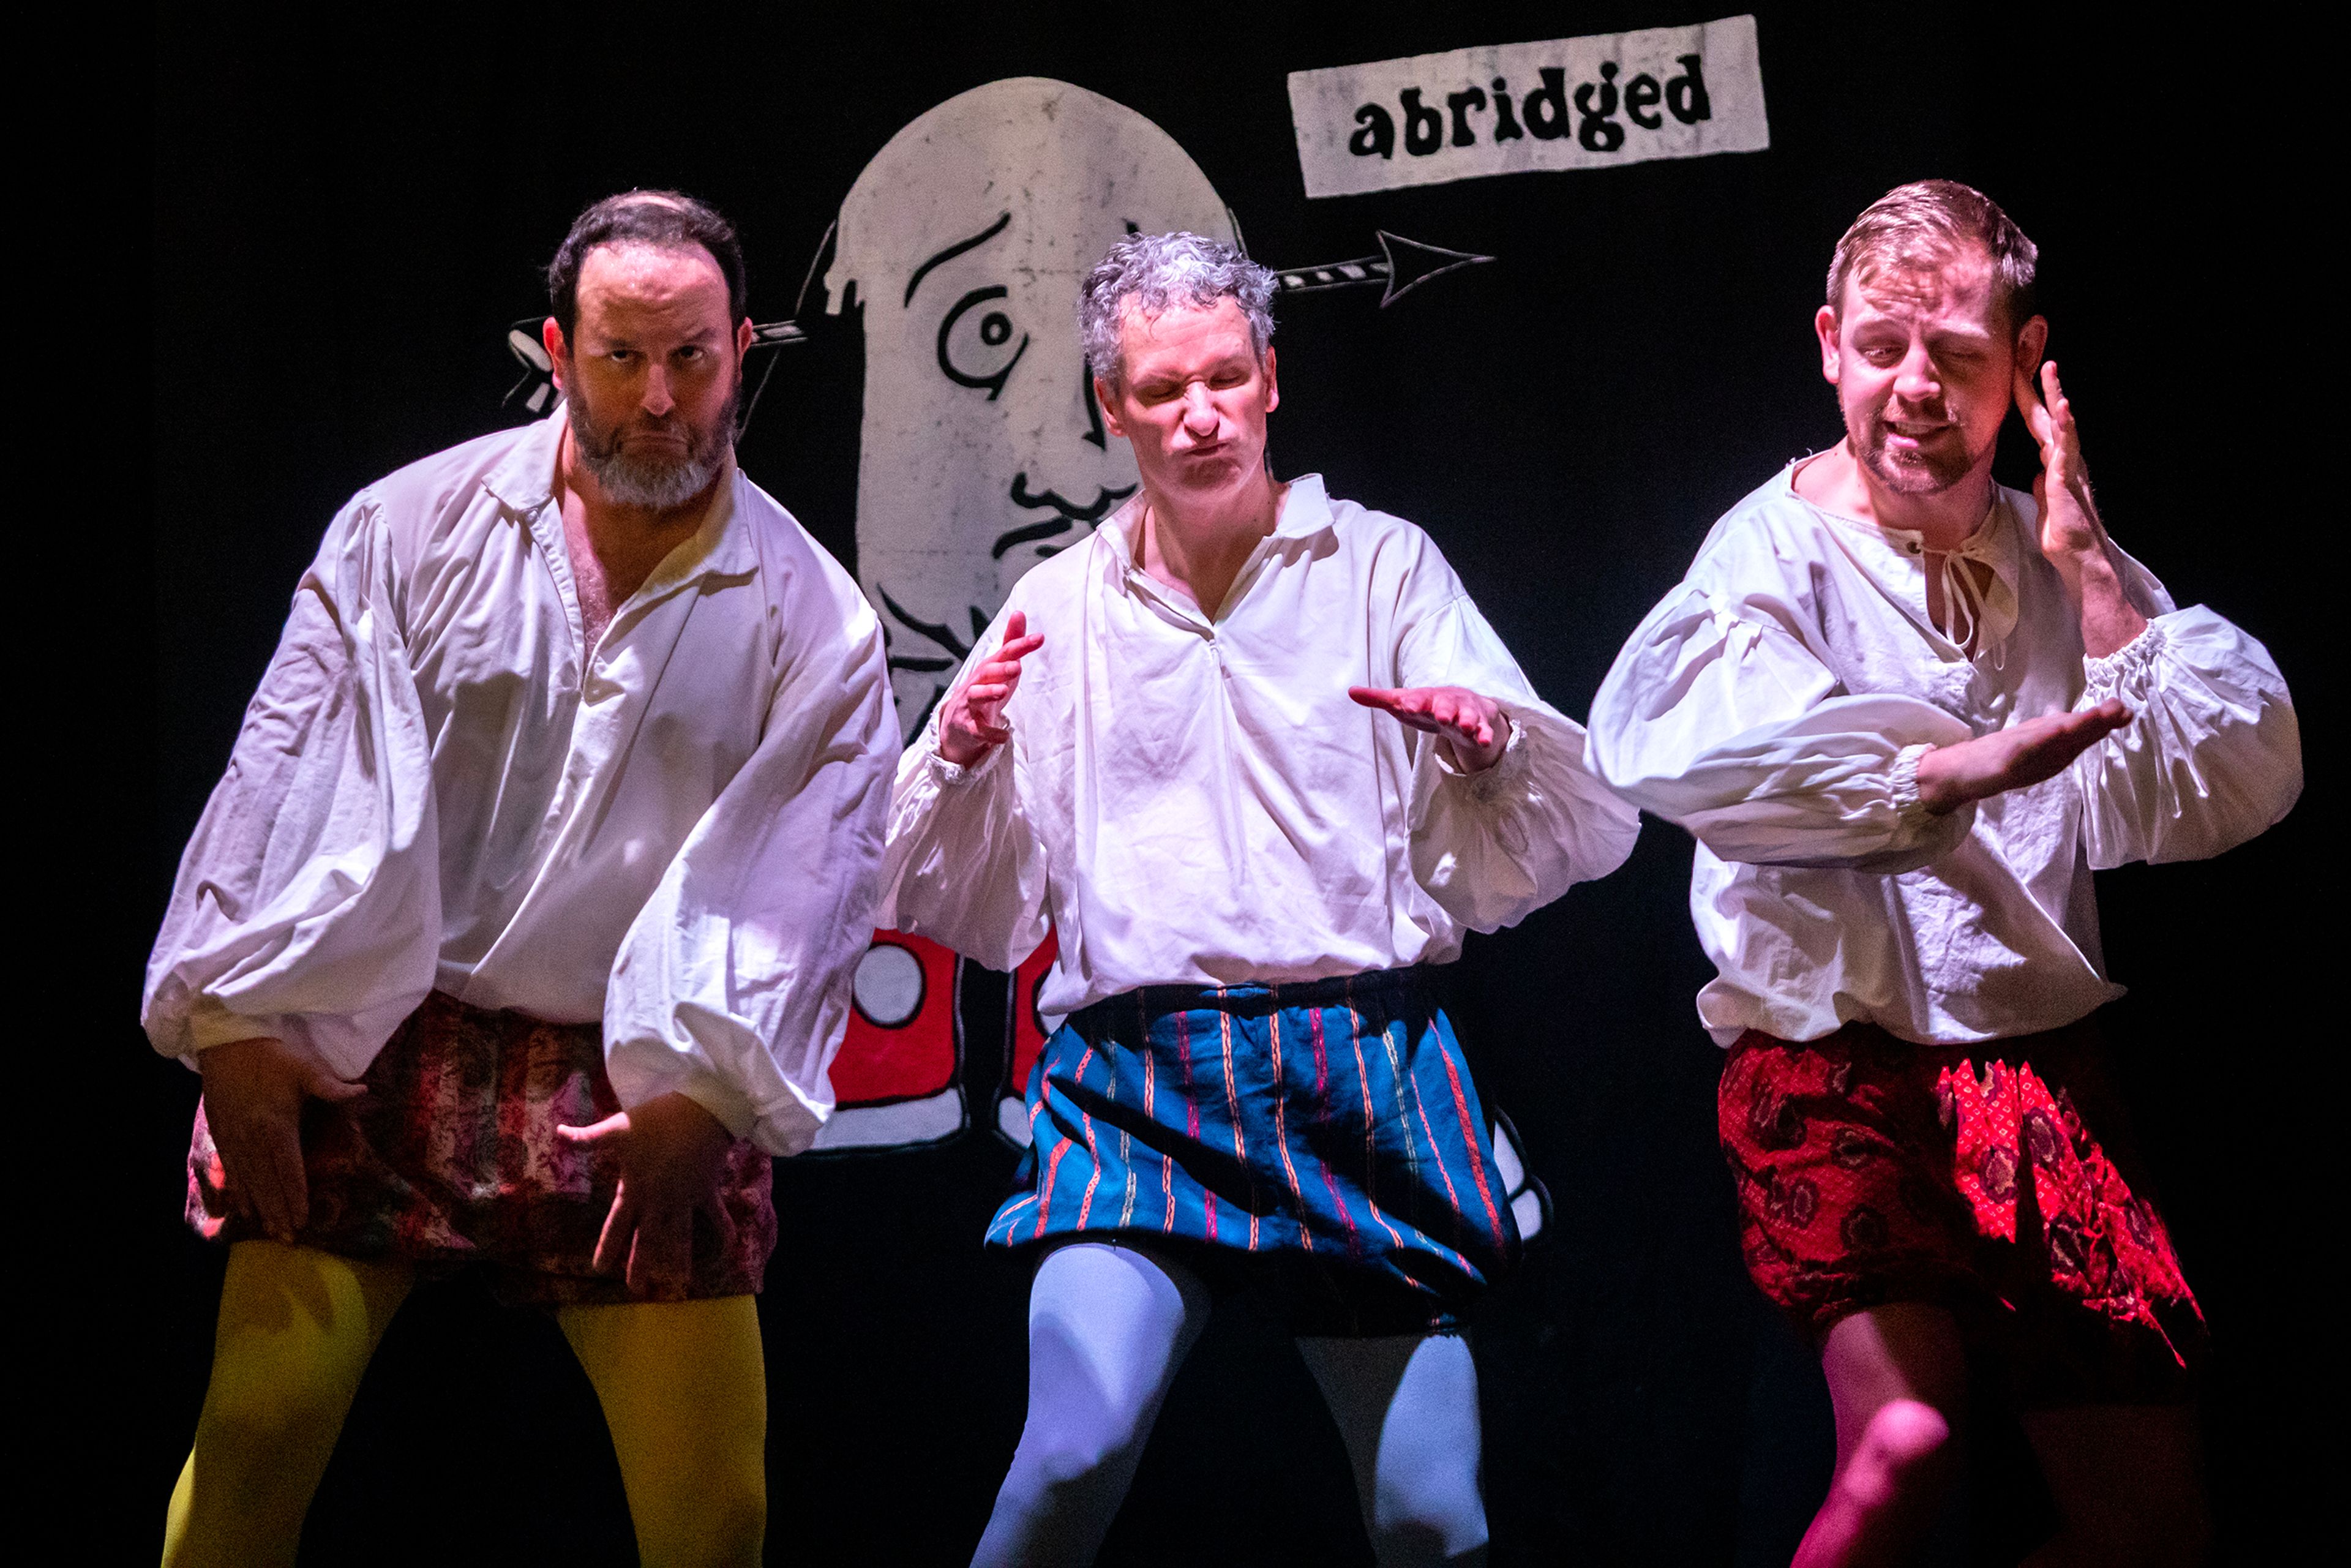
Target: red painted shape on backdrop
{"x":880,"y":1064}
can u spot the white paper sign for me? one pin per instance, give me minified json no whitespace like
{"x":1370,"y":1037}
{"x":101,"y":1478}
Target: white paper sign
{"x":1505,"y":109}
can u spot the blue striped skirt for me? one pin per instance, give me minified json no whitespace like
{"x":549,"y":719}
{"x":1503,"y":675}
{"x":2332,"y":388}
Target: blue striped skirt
{"x":1327,"y":1127}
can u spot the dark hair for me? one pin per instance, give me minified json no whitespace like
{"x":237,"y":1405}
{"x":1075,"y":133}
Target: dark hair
{"x":1920,"y":224}
{"x":664,"y":218}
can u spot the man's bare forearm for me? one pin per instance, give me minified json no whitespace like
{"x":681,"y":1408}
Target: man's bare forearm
{"x":2110,"y":621}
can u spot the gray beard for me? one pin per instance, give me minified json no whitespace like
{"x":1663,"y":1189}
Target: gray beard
{"x":659,"y":486}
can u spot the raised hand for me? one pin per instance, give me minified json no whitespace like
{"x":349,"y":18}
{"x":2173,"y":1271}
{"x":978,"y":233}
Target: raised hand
{"x":672,"y":1152}
{"x":972,"y":721}
{"x":2070,"y":530}
{"x":1951,"y":776}
{"x":253,"y":1093}
{"x":2073,"y":539}
{"x":1472,"y":728}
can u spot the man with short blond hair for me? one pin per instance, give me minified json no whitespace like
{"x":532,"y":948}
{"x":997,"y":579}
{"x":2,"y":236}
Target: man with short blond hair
{"x":1254,"y":756}
{"x":519,"y":935}
{"x":1907,"y":712}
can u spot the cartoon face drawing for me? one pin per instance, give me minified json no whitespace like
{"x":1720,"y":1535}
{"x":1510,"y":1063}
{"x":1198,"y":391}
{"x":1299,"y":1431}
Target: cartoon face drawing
{"x":982,"y":451}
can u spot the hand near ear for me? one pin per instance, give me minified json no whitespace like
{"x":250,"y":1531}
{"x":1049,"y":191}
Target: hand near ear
{"x":2070,"y":530}
{"x":2073,"y":538}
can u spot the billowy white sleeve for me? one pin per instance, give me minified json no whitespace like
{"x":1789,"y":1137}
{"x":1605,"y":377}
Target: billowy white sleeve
{"x":1717,"y":716}
{"x":733,"y":985}
{"x":1495,"y":846}
{"x":2212,"y":754}
{"x":307,"y":906}
{"x":965,"y":867}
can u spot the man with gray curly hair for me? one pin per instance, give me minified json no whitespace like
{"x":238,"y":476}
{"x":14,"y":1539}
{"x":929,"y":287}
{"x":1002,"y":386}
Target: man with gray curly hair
{"x":1150,"y":272}
{"x":1273,"y":763}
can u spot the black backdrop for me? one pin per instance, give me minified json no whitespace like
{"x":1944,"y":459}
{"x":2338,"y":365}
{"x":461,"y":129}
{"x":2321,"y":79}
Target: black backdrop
{"x":345,"y":218}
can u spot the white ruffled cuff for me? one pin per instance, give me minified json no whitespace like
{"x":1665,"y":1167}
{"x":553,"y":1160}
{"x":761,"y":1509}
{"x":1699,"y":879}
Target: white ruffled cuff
{"x":1502,"y":778}
{"x":2126,"y":668}
{"x":1904,"y":781}
{"x":955,"y":775}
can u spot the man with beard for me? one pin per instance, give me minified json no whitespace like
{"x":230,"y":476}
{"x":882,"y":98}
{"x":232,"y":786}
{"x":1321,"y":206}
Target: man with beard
{"x":1905,"y":711}
{"x":519,"y":935}
{"x":1254,"y":755}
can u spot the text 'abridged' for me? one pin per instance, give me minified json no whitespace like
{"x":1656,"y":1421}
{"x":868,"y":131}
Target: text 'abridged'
{"x":1507,"y":109}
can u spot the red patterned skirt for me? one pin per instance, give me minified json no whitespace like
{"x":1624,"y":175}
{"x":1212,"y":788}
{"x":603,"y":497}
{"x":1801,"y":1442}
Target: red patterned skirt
{"x":1871,"y":1170}
{"x":450,"y":1159}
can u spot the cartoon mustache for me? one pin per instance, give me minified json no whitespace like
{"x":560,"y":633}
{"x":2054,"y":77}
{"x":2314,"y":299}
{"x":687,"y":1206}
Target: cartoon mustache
{"x":1069,"y":512}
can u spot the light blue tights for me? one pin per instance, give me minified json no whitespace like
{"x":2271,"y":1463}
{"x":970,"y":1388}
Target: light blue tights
{"x":1108,"y":1325}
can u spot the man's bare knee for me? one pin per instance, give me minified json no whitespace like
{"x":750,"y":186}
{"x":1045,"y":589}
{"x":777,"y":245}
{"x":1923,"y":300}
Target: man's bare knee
{"x":1905,"y":1456}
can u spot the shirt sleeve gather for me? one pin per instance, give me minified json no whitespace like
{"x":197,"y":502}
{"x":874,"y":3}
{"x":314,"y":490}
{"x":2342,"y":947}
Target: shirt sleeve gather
{"x":1507,"y":774}
{"x":2211,"y":756}
{"x":955,"y":775}
{"x":1906,"y":800}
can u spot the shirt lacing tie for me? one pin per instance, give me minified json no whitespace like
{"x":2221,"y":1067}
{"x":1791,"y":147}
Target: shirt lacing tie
{"x":1980,"y":617}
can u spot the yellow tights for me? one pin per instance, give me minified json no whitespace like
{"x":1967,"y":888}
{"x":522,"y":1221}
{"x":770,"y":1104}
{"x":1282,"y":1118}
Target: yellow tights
{"x":682,"y":1384}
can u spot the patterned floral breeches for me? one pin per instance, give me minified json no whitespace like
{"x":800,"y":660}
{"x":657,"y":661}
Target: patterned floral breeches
{"x":450,"y":1159}
{"x":1871,"y":1170}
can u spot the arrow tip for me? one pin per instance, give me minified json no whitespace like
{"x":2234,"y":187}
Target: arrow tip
{"x":1412,"y":264}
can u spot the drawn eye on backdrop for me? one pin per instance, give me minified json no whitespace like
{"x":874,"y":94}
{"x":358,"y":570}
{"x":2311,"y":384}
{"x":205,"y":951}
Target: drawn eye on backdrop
{"x":977,"y":356}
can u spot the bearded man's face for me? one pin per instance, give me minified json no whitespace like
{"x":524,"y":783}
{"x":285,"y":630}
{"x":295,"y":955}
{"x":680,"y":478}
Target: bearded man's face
{"x":651,"y":373}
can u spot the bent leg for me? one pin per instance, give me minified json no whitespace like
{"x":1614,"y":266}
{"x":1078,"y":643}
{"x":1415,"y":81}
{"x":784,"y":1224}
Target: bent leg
{"x":1108,"y":1325}
{"x":1898,"y":1378}
{"x":296,"y":1329}
{"x":685,"y":1391}
{"x":1407,"y":1410}
{"x":2128,"y":1483}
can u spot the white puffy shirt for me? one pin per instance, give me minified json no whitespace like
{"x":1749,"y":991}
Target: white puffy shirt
{"x":1188,"y":800}
{"x":1776,"y":705}
{"x":681,"y":840}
